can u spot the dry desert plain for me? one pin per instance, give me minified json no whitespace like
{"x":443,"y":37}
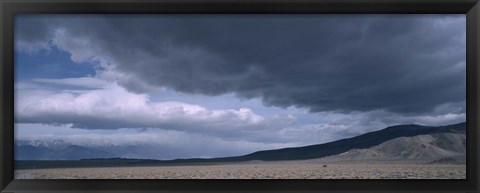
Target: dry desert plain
{"x":259,"y":170}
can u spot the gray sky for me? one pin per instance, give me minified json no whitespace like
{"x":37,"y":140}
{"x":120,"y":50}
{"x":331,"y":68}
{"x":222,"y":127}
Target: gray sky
{"x":234,"y":83}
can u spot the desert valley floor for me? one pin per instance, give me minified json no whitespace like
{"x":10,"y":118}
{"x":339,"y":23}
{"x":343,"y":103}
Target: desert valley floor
{"x":259,"y":170}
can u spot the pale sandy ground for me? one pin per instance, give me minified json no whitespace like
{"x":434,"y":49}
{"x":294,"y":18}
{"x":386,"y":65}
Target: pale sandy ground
{"x":257,"y":170}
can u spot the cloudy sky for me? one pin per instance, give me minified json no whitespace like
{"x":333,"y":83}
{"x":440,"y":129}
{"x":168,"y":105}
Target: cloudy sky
{"x":222,"y":85}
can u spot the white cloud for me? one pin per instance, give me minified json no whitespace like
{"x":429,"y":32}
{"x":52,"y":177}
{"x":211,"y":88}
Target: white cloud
{"x":113,"y":107}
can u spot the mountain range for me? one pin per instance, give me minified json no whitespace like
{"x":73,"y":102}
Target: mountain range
{"x":364,"y":141}
{"x":62,"y":150}
{"x":401,"y":142}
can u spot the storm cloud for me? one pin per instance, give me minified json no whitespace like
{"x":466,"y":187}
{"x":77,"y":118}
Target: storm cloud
{"x":408,"y":64}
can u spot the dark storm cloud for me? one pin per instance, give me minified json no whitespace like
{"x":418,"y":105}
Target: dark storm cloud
{"x":402,"y":64}
{"x":33,"y":34}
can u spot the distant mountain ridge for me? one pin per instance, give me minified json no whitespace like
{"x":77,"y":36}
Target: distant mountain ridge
{"x":359,"y":142}
{"x":55,"y":150}
{"x":365,"y":141}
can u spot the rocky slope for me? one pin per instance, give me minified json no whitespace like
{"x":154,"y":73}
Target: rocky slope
{"x":441,"y":147}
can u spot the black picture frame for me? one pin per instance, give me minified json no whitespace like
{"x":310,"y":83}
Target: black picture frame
{"x":10,"y":8}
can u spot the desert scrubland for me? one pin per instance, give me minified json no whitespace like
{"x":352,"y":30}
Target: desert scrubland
{"x":259,"y":170}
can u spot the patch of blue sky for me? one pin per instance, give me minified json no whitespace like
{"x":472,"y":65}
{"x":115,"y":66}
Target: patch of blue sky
{"x":52,"y":63}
